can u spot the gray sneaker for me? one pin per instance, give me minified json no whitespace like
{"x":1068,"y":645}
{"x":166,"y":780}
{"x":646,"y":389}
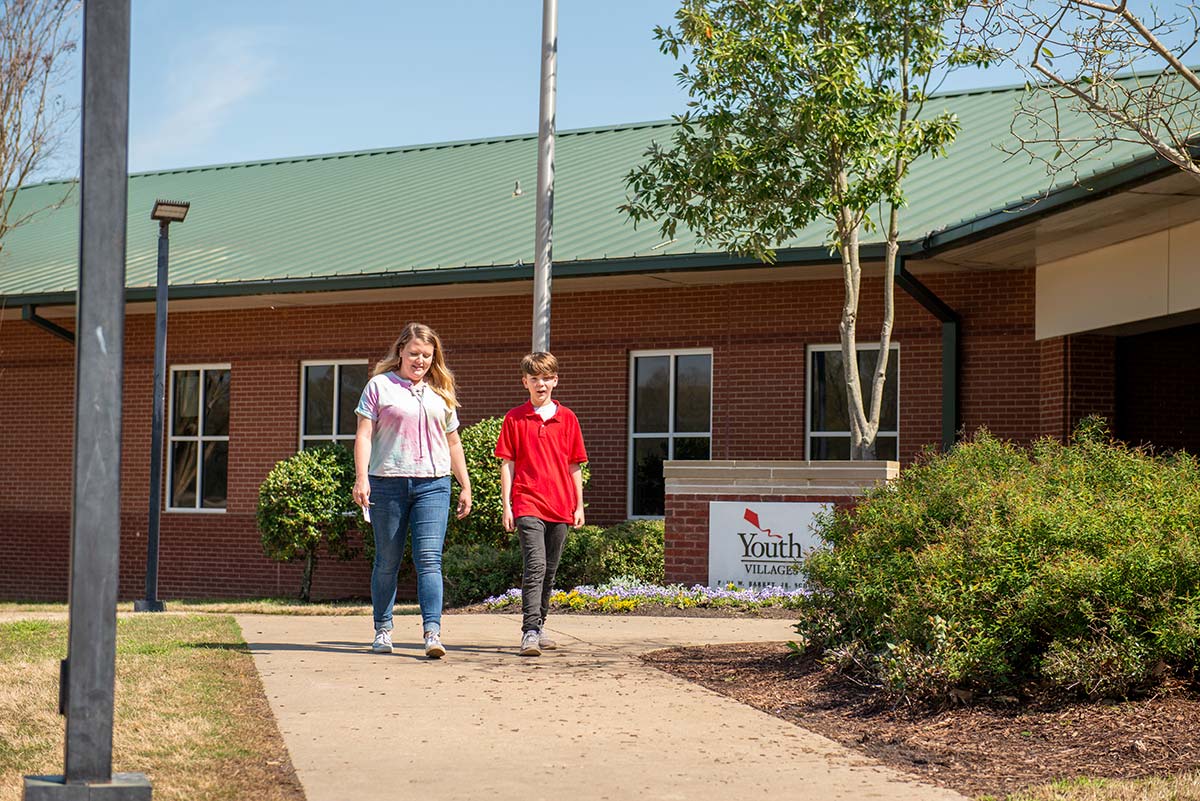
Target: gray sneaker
{"x":529,"y":643}
{"x":433,"y":645}
{"x":544,"y":642}
{"x":383,"y":642}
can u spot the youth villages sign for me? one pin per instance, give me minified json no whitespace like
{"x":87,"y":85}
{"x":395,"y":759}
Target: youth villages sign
{"x":759,"y":544}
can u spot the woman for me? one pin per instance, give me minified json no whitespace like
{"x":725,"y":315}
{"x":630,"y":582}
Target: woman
{"x":405,"y":449}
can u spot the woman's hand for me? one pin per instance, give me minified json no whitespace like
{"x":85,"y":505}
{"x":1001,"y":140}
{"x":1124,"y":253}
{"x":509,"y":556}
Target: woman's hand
{"x":464,"y":503}
{"x":362,"y":491}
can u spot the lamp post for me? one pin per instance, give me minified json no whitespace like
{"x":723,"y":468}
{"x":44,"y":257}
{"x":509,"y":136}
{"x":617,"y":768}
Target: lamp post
{"x":88,"y":674}
{"x":165,"y":212}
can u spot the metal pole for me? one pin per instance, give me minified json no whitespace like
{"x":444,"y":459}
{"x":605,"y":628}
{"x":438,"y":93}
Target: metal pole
{"x":151,"y":603}
{"x":544,"y":244}
{"x":86,"y":688}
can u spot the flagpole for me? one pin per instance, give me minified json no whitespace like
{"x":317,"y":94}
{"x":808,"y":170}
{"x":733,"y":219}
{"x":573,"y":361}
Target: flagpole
{"x":544,"y":240}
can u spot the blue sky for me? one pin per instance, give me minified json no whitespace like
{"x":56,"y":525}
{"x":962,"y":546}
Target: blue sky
{"x":223,"y":81}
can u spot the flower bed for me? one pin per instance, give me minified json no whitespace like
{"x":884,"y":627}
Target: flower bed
{"x":626,"y":596}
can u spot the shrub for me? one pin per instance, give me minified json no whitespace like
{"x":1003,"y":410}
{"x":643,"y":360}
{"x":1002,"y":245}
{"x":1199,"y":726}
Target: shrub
{"x":1073,"y":569}
{"x":633,"y":549}
{"x":306,"y":500}
{"x":473,"y":571}
{"x":591,"y":555}
{"x":484,"y":524}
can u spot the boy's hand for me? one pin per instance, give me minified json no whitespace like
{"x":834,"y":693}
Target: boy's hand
{"x":464,"y":503}
{"x":578,"y":518}
{"x":507,"y":522}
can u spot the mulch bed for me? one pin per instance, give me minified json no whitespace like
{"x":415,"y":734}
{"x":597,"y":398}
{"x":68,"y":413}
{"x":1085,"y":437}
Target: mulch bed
{"x":995,"y":748}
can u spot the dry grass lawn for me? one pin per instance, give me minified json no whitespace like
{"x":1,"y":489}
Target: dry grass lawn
{"x":190,"y":709}
{"x":1168,"y":788}
{"x":261,"y":606}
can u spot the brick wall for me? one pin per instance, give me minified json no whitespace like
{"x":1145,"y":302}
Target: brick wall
{"x":1078,"y":378}
{"x":758,"y":333}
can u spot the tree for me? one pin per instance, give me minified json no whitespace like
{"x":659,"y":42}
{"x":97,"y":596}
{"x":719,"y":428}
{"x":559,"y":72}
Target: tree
{"x":802,"y":111}
{"x":36,"y":38}
{"x":1117,"y":66}
{"x":306,"y":501}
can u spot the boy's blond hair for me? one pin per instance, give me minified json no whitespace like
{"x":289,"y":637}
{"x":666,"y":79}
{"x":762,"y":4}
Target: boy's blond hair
{"x":539,"y":363}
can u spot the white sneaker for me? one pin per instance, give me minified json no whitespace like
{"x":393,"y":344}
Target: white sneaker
{"x":383,"y":642}
{"x":544,"y":642}
{"x":529,"y":643}
{"x":433,"y":646}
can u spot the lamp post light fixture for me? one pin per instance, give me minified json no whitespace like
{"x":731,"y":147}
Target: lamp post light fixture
{"x":165,"y":212}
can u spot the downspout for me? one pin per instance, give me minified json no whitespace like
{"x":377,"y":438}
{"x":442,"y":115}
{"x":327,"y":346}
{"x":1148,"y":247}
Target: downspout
{"x":950,"y":358}
{"x":29,"y":312}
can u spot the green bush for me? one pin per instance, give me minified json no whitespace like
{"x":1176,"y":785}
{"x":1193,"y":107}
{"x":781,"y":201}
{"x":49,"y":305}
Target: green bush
{"x":591,"y":555}
{"x":633,"y":549}
{"x":306,"y":500}
{"x":484,"y":524}
{"x":1066,"y":569}
{"x":474,"y":571}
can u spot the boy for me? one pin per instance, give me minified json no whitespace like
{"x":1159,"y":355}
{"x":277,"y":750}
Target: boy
{"x":541,"y":487}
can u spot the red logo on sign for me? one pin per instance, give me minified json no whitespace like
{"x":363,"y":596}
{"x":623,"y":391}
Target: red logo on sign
{"x":752,"y":518}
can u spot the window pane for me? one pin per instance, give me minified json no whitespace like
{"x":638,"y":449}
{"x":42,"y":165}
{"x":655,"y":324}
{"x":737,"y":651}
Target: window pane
{"x":652,"y":385}
{"x":885,"y":448}
{"x":830,"y":448}
{"x":318,"y":399}
{"x":691,"y":447}
{"x":693,"y":381}
{"x":216,"y":403}
{"x":866,"y":374}
{"x":829,"y":392}
{"x":648,"y":458}
{"x":183,"y":474}
{"x":185,"y":403}
{"x":350,"y":387}
{"x":215,"y":474}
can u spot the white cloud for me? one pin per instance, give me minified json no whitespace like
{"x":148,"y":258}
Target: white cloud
{"x":202,"y":91}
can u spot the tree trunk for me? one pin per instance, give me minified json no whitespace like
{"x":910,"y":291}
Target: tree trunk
{"x":310,"y":567}
{"x":864,"y":451}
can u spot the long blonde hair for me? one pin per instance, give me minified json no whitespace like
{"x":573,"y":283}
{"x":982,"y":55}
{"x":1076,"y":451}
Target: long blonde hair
{"x":439,"y":376}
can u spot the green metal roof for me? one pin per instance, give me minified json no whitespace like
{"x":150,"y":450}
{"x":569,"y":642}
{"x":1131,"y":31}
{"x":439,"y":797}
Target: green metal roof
{"x":446,"y":212}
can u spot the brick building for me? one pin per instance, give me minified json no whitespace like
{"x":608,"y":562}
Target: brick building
{"x":290,"y":276}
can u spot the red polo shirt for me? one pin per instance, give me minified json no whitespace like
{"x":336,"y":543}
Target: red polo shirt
{"x":542,"y":453}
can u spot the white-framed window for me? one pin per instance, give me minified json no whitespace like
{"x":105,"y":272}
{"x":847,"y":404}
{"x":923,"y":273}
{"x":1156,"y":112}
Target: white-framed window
{"x":198,"y":442}
{"x":828,"y":410}
{"x":670,"y":417}
{"x":329,"y":392}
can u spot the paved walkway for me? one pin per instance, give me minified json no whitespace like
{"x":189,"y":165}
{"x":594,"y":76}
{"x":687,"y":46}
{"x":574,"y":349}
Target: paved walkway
{"x":587,"y":722}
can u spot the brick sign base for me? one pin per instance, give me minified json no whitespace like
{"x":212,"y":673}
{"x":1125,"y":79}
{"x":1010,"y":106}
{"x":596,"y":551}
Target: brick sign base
{"x":690,"y":486}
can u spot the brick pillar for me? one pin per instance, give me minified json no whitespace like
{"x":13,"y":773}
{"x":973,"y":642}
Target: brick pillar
{"x":1078,"y":378}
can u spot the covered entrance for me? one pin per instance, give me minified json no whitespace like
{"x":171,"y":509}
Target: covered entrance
{"x":1158,"y":389}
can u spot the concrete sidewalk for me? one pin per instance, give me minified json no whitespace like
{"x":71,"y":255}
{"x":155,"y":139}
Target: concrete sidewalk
{"x":587,"y":722}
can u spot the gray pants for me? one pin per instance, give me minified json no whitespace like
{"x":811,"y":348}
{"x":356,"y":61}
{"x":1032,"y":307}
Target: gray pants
{"x":541,"y":548}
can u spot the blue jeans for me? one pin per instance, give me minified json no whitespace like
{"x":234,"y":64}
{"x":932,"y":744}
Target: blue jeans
{"x":398,"y":504}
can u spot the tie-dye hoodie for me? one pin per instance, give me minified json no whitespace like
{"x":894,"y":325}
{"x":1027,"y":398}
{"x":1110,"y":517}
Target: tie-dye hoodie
{"x":411,"y":424}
